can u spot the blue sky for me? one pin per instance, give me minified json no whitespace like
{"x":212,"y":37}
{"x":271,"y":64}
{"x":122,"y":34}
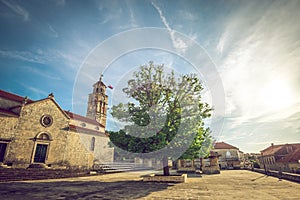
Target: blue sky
{"x":254,"y":46}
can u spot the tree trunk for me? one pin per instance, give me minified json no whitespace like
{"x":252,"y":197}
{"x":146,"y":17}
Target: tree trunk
{"x":165,"y":166}
{"x":201,"y":164}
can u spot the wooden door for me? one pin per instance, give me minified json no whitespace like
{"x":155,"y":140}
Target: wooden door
{"x":40,"y":153}
{"x":2,"y":151}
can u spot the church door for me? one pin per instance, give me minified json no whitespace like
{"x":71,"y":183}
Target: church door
{"x":2,"y":151}
{"x":40,"y":153}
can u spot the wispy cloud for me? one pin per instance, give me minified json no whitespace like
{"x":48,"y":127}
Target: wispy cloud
{"x":111,"y":16}
{"x":37,"y":91}
{"x":60,"y":2}
{"x":112,"y":13}
{"x":47,"y":57}
{"x":133,"y":21}
{"x":41,"y":73}
{"x":178,"y":43}
{"x":17,"y":9}
{"x":24,"y":56}
{"x":53,"y":32}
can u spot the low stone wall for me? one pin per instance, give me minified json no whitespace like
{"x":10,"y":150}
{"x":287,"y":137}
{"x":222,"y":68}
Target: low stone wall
{"x":159,"y":178}
{"x":283,"y":175}
{"x":186,"y":169}
{"x":211,"y":170}
{"x":13,"y":174}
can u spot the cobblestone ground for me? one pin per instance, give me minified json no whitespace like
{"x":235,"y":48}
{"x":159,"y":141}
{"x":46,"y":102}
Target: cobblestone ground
{"x":232,"y":184}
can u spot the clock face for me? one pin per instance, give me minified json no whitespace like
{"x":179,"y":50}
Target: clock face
{"x":46,"y":120}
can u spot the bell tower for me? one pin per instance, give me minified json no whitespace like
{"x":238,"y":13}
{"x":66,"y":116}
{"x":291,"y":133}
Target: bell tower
{"x":97,"y":103}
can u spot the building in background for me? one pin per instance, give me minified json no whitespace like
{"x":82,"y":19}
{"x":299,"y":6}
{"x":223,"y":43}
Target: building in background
{"x":282,"y":157}
{"x":41,"y":134}
{"x":251,"y":160}
{"x":230,"y":157}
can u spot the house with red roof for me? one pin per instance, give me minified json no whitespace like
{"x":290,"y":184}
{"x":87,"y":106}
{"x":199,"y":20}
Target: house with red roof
{"x":39,"y":133}
{"x":230,"y":157}
{"x":281,"y":157}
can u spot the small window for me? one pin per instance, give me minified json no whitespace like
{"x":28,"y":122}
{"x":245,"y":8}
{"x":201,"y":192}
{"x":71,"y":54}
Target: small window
{"x":83,"y":124}
{"x":93,"y":144}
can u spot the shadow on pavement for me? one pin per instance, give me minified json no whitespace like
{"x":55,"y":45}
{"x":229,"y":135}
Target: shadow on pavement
{"x":79,"y":190}
{"x":255,"y":179}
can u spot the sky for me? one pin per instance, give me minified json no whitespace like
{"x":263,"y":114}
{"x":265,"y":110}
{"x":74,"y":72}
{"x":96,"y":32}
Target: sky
{"x":249,"y":49}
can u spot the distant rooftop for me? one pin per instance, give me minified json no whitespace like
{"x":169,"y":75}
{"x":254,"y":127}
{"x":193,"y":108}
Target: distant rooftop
{"x":223,"y":145}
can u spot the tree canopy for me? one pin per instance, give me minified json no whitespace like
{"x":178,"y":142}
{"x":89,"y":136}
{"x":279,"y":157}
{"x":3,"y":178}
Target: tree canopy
{"x":165,"y":114}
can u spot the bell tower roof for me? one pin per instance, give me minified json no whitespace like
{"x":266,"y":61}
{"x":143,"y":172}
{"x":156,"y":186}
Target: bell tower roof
{"x":100,"y":82}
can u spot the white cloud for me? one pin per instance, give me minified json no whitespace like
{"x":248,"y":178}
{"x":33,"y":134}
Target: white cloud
{"x":255,"y":71}
{"x":260,"y":53}
{"x":17,"y":9}
{"x":178,"y":43}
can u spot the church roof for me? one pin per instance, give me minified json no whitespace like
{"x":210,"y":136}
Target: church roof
{"x":8,"y":113}
{"x":223,"y":145}
{"x":86,"y":130}
{"x":13,"y":97}
{"x":83,"y":119}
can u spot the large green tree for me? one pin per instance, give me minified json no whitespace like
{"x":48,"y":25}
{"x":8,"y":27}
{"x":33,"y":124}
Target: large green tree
{"x":165,"y":112}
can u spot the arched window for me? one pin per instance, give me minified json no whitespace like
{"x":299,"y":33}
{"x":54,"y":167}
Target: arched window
{"x":43,"y":136}
{"x":228,"y":154}
{"x":93,"y":144}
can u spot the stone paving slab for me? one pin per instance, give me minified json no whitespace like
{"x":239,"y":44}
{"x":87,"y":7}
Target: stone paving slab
{"x":231,"y":184}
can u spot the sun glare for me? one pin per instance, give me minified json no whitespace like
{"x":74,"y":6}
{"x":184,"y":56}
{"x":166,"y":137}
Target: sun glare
{"x":276,"y":95}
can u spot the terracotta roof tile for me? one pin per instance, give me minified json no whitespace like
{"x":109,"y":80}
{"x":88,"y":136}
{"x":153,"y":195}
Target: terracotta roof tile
{"x":13,"y":97}
{"x":274,"y":148}
{"x":223,"y":145}
{"x":86,"y":130}
{"x":8,"y":112}
{"x":83,"y":119}
{"x":292,"y":157}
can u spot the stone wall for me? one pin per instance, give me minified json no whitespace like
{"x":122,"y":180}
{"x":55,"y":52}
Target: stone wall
{"x":282,"y":175}
{"x":102,"y":152}
{"x":7,"y":126}
{"x":64,"y":147}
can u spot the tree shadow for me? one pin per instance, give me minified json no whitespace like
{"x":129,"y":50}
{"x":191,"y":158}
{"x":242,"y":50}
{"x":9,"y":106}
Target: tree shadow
{"x":80,"y":190}
{"x":255,"y":179}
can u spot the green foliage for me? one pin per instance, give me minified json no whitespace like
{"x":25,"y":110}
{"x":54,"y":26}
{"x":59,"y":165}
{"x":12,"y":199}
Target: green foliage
{"x":201,"y":145}
{"x":162,"y":105}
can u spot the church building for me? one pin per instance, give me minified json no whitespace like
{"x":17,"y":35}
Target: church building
{"x":39,"y":133}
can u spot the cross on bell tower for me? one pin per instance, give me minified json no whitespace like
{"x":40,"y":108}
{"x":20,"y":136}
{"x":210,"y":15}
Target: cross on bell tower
{"x":97,"y":103}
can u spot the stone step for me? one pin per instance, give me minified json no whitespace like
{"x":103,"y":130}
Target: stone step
{"x":118,"y":167}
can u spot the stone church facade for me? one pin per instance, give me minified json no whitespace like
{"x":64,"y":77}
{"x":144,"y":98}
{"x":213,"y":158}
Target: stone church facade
{"x":41,"y":134}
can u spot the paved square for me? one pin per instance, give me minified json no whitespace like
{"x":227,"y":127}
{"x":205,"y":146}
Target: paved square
{"x":231,"y":184}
